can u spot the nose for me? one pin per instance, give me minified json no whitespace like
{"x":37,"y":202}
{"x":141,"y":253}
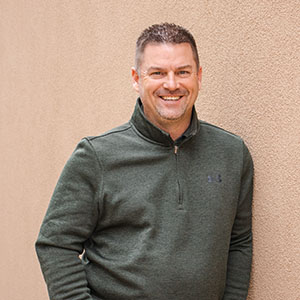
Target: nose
{"x":170,"y":82}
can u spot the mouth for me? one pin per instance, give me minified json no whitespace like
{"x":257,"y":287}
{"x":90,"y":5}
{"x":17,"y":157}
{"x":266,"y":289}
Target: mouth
{"x":170,"y":98}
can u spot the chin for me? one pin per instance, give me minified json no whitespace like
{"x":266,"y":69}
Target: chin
{"x":171,"y":117}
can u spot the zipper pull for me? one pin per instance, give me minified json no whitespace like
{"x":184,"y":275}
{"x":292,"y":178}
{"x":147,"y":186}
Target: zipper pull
{"x":175,"y":149}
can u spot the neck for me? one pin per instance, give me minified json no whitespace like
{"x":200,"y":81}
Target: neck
{"x":175,"y":128}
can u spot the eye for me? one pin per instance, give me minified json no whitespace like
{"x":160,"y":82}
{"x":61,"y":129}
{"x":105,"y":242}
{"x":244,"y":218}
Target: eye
{"x":157,"y":74}
{"x":183,"y":73}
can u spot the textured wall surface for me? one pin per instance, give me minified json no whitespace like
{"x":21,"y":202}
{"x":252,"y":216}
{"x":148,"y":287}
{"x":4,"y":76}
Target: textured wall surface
{"x":65,"y":73}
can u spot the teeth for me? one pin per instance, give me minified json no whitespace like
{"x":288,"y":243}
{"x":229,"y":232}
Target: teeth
{"x":171,"y":98}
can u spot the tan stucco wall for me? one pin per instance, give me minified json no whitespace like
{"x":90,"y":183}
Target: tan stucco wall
{"x":65,"y":73}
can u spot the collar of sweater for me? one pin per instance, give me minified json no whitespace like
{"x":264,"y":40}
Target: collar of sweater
{"x":152,"y":132}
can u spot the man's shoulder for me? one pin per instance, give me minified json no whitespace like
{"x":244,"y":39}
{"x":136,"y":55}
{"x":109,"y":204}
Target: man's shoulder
{"x":110,"y":134}
{"x":216,"y":138}
{"x":218,"y":130}
{"x":218,"y":134}
{"x":112,"y":140}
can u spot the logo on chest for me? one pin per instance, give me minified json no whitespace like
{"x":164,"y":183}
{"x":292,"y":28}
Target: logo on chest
{"x":214,"y":178}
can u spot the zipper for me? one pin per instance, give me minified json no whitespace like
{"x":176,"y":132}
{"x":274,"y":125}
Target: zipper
{"x":180,"y":200}
{"x":175,"y":149}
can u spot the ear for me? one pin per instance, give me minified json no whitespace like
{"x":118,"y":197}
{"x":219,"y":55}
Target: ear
{"x":199,"y":75}
{"x":135,"y":79}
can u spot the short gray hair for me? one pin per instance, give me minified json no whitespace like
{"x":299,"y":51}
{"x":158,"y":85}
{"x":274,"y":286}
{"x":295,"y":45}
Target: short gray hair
{"x":164,"y":33}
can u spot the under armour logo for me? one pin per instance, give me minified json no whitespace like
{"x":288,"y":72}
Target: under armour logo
{"x":214,"y":178}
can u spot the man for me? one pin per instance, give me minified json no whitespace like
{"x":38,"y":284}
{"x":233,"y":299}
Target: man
{"x":160,"y":207}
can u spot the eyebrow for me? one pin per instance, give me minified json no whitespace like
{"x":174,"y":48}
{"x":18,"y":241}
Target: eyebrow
{"x":154,"y":68}
{"x":185,"y":67}
{"x":159,"y":68}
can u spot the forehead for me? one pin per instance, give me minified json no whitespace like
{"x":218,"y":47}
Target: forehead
{"x":167,"y":55}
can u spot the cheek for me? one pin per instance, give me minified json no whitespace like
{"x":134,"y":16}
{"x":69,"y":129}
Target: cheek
{"x":150,"y":88}
{"x":194,"y":87}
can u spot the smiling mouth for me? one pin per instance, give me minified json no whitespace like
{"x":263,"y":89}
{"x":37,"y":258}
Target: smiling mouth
{"x":170,"y":98}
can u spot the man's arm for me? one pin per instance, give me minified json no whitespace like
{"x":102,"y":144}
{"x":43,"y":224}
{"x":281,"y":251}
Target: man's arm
{"x":70,"y":219}
{"x":240,"y":252}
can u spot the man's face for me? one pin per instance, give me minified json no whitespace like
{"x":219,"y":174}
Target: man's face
{"x":168,"y":83}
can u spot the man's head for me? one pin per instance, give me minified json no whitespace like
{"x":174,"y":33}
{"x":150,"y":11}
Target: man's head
{"x":165,"y":33}
{"x":167,"y":76}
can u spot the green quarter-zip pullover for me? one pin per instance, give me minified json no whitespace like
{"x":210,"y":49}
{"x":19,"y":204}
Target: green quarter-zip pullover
{"x":156,"y":219}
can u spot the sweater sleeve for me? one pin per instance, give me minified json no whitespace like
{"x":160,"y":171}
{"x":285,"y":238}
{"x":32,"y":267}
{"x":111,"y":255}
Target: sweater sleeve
{"x":240,"y":252}
{"x":69,"y":222}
